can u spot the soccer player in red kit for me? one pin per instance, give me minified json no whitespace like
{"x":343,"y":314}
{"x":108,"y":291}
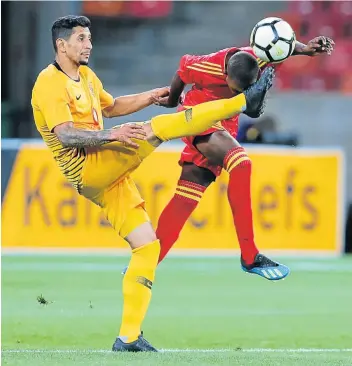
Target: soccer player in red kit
{"x":207,"y":154}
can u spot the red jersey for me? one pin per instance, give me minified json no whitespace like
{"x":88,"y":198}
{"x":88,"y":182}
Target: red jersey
{"x":207,"y":74}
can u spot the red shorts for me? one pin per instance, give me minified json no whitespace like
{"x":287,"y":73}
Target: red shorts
{"x":190,"y":153}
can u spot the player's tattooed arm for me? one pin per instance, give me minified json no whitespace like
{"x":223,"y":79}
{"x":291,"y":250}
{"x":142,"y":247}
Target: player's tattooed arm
{"x":128,"y":104}
{"x":173,"y":99}
{"x":316,"y":46}
{"x":69,"y":136}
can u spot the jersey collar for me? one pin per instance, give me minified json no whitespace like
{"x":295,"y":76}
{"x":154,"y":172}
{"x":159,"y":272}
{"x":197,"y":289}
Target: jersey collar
{"x":60,"y":69}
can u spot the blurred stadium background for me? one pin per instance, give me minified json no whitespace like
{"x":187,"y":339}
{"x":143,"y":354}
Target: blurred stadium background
{"x":305,"y":134}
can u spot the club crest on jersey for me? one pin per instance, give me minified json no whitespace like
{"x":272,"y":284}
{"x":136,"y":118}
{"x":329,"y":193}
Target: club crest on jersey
{"x":95,"y":116}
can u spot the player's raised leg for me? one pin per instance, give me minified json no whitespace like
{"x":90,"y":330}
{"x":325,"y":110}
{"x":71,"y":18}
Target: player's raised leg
{"x":197,"y":119}
{"x":201,"y":117}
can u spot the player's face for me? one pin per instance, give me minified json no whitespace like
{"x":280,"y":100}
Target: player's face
{"x":79,"y":45}
{"x":233,"y":86}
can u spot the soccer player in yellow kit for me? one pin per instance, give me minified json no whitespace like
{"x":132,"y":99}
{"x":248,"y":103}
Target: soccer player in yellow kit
{"x":69,"y":103}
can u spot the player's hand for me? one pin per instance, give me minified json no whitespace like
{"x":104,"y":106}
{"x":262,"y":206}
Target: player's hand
{"x":319,"y":45}
{"x":160,"y":96}
{"x":128,"y":131}
{"x":165,"y":101}
{"x":162,"y":102}
{"x":160,"y":92}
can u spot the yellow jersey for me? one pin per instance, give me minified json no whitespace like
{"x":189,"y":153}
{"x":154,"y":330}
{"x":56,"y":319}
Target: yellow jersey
{"x":56,"y":99}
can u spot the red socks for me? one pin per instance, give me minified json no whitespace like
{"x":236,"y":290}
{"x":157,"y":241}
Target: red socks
{"x":176,"y":213}
{"x":239,"y":167}
{"x":188,"y":194}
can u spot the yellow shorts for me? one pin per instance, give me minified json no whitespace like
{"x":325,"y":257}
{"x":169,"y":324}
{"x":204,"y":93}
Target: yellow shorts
{"x":106,"y":181}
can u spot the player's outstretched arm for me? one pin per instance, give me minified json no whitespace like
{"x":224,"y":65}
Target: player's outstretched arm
{"x":176,"y":89}
{"x":70,"y":136}
{"x":128,"y":104}
{"x":315,"y":47}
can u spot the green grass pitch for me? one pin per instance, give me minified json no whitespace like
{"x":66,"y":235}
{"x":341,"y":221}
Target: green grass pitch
{"x":204,"y":311}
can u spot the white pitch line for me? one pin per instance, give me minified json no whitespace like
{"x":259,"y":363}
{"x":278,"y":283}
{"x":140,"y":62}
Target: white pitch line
{"x":175,"y":350}
{"x":261,"y":350}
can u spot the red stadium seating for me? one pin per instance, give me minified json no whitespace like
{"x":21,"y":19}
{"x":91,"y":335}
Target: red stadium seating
{"x":149,"y":9}
{"x":103,"y":8}
{"x":340,"y":61}
{"x":135,"y":9}
{"x":284,"y":80}
{"x":310,"y":19}
{"x":292,"y":19}
{"x":342,"y":9}
{"x":300,"y":64}
{"x":302,"y":7}
{"x":346,"y":83}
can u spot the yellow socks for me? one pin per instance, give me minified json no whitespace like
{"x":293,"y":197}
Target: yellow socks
{"x":137,"y":285}
{"x":196,"y":119}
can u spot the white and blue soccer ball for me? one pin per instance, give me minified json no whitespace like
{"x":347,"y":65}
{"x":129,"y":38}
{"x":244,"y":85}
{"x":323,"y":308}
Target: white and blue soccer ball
{"x":273,"y":40}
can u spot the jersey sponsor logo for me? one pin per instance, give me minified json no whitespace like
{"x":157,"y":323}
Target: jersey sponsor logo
{"x":78,"y":97}
{"x":90,"y":86}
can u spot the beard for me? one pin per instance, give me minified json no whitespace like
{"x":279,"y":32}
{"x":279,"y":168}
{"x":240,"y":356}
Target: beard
{"x":83,"y":63}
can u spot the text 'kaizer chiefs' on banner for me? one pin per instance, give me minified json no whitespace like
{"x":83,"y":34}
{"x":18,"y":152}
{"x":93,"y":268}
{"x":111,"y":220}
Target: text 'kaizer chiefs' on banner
{"x":297,"y":200}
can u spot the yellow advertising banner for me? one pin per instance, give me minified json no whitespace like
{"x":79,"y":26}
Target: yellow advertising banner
{"x":297,"y":202}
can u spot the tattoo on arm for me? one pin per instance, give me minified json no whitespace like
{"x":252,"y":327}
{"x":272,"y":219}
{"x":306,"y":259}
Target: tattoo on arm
{"x":73,"y":137}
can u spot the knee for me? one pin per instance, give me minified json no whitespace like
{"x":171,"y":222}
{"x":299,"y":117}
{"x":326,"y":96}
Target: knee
{"x":195,"y":174}
{"x":217,"y":146}
{"x":137,"y":229}
{"x":237,"y":158}
{"x":141,"y":235}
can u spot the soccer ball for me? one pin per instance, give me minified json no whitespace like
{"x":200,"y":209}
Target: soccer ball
{"x":273,"y":40}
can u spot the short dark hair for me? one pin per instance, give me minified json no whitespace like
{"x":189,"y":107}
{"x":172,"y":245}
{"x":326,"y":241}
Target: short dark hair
{"x":62,"y":27}
{"x":243,"y":68}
